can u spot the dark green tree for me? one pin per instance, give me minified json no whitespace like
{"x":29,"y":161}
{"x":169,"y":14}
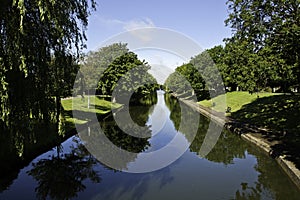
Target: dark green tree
{"x":269,"y":29}
{"x":36,"y":37}
{"x":96,"y":62}
{"x":210,"y":74}
{"x":127,"y":75}
{"x":186,"y":81}
{"x":222,"y":60}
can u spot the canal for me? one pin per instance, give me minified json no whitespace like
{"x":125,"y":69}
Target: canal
{"x":233,"y":169}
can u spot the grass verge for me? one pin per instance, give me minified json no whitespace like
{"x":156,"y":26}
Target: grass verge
{"x":279,"y":114}
{"x":79,"y":105}
{"x":234,"y":100}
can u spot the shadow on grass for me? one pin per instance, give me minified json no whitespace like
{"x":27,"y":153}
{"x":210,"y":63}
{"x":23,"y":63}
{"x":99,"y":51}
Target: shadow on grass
{"x":83,"y":115}
{"x":281,"y":116}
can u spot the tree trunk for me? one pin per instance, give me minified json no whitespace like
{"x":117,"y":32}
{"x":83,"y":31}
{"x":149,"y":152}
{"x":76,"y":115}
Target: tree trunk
{"x":88,"y":99}
{"x":58,"y":111}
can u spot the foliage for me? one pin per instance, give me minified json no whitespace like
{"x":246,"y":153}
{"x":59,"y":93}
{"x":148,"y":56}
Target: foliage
{"x":186,"y":80}
{"x":115,"y":69}
{"x":96,"y":62}
{"x":177,"y":83}
{"x":210,"y":74}
{"x":127,"y":75}
{"x":200,"y":77}
{"x":264,"y":49}
{"x":36,"y":42}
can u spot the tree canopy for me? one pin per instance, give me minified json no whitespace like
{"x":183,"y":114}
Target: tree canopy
{"x":114,"y":68}
{"x":39,"y":43}
{"x":265,"y":43}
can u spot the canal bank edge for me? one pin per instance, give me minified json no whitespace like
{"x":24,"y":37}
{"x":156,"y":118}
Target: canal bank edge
{"x":249,"y":133}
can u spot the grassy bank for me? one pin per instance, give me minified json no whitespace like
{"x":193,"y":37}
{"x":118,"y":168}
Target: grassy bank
{"x":234,"y":100}
{"x":279,"y":114}
{"x":79,"y":105}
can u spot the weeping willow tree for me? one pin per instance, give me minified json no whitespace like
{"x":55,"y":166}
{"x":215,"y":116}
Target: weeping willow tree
{"x":40,"y":41}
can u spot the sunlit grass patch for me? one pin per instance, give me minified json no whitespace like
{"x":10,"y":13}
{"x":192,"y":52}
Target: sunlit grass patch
{"x":97,"y":106}
{"x":277,"y":113}
{"x":234,"y":100}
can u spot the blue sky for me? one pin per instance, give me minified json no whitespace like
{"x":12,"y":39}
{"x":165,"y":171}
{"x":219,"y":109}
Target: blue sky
{"x":200,"y":20}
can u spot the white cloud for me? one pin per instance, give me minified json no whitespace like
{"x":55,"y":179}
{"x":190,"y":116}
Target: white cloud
{"x":138,"y":23}
{"x":128,"y":25}
{"x":118,"y":26}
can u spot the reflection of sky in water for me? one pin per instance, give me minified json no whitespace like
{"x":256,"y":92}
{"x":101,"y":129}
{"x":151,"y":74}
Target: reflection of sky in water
{"x":163,"y":129}
{"x":166,"y":144}
{"x":160,"y":114}
{"x":187,"y":178}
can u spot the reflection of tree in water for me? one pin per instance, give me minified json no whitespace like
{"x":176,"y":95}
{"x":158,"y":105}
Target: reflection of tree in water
{"x":174,"y":107}
{"x":228,"y":146}
{"x":21,"y":144}
{"x":271,"y":179}
{"x":148,"y":98}
{"x":184,"y":118}
{"x":248,"y":193}
{"x":61,"y":176}
{"x":117,"y":143}
{"x":140,"y":114}
{"x":270,"y":183}
{"x":122,"y":139}
{"x":123,"y":134}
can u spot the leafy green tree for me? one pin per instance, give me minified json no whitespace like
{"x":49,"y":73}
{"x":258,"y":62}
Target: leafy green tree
{"x":117,"y":69}
{"x":62,"y":79}
{"x":102,"y":70}
{"x":127,"y":75}
{"x":240,"y":72}
{"x":200,"y":76}
{"x":221,"y":58}
{"x":210,"y":74}
{"x":93,"y":66}
{"x":177,"y":83}
{"x":271,"y":27}
{"x":96,"y":62}
{"x":253,"y":71}
{"x":187,"y":81}
{"x":34,"y":35}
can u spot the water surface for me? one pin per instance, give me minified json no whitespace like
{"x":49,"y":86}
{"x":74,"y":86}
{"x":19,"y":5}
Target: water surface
{"x":234,"y":169}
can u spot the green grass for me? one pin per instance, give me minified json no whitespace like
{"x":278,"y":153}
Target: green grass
{"x":98,"y":106}
{"x":278,"y":114}
{"x":234,"y":100}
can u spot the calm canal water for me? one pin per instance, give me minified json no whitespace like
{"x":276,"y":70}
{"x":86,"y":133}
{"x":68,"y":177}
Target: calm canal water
{"x":233,"y":169}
